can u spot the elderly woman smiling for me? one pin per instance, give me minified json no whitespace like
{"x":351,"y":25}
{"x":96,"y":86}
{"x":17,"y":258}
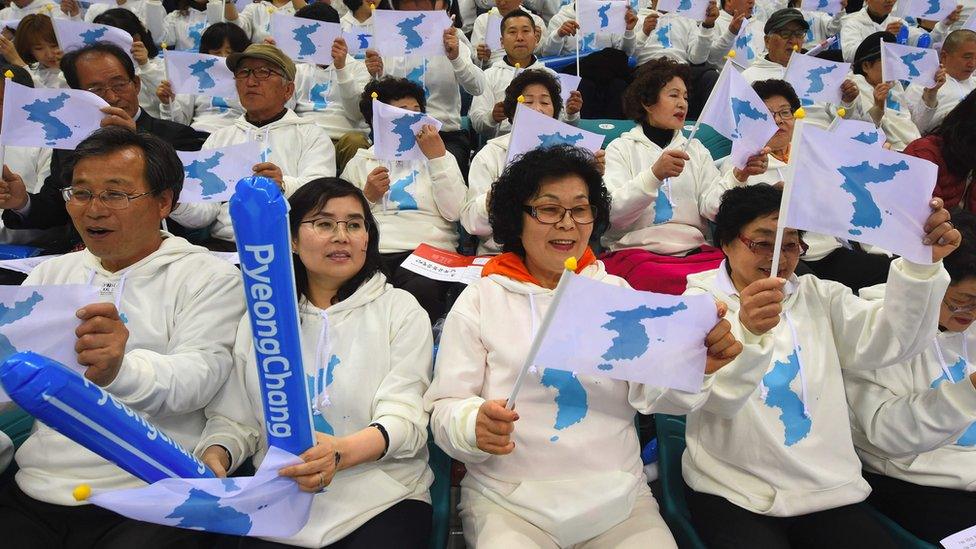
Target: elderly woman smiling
{"x":569,"y":473}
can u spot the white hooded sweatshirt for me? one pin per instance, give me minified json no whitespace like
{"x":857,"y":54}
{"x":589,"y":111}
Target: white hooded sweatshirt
{"x":255,"y":19}
{"x":908,"y":422}
{"x":777,"y":441}
{"x":676,"y":37}
{"x":857,"y":26}
{"x":576,"y":469}
{"x":330,"y":96}
{"x":368,"y":357}
{"x":566,"y":45}
{"x":14,"y":13}
{"x":902,"y":118}
{"x":672,"y":222}
{"x":181,"y":306}
{"x":950,"y":94}
{"x":184,"y":30}
{"x":300,"y":148}
{"x":422,"y":205}
{"x":724,"y":40}
{"x":486,"y":166}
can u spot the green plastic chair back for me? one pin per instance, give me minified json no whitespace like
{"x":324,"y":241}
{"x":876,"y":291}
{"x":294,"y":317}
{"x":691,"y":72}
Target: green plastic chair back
{"x":16,"y":424}
{"x":904,"y":538}
{"x":717,"y":144}
{"x":612,"y":129}
{"x":440,"y":494}
{"x":674,"y":508}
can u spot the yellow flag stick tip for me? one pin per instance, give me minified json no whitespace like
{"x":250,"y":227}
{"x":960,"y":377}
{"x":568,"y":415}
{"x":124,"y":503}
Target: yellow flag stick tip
{"x":518,"y":65}
{"x":796,"y":48}
{"x":570,"y":263}
{"x":372,"y":7}
{"x":842,"y":112}
{"x":82,"y":492}
{"x":521,"y":99}
{"x":162,"y":45}
{"x":731,"y":54}
{"x":374,"y":95}
{"x":8,"y":73}
{"x":800,"y":113}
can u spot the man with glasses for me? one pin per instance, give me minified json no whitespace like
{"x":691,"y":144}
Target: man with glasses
{"x":785,"y":31}
{"x":295,"y":150}
{"x":159,"y":340}
{"x":107,"y":71}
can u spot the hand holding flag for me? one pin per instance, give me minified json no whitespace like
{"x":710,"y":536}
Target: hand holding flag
{"x":816,"y":79}
{"x":395,"y":132}
{"x":410,"y":32}
{"x":916,"y":65}
{"x":211,"y":174}
{"x":73,"y":35}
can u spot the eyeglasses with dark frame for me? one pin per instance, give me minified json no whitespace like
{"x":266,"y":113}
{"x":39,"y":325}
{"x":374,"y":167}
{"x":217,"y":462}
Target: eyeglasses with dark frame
{"x":763,"y":248}
{"x":787,"y":34}
{"x":113,"y":200}
{"x":326,"y":226}
{"x":260,"y":74}
{"x":550,"y":214}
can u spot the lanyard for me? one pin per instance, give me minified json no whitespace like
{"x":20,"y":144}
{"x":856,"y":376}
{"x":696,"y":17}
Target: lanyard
{"x":945,"y":365}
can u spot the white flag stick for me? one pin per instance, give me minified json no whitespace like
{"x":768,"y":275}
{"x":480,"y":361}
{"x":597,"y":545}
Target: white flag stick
{"x":537,"y":337}
{"x":784,"y":206}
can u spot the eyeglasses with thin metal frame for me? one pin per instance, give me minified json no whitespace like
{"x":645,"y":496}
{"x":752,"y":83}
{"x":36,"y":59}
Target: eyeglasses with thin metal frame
{"x":116,"y":87}
{"x":787,"y":34}
{"x":967,"y":306}
{"x":113,"y":200}
{"x":550,"y":214}
{"x":260,"y":74}
{"x":765,"y":249}
{"x":326,"y":226}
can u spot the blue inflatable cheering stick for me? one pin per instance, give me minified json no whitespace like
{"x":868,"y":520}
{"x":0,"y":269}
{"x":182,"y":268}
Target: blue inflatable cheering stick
{"x":260,"y":216}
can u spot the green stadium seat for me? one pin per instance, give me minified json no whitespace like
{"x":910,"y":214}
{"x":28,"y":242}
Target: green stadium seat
{"x":717,"y":144}
{"x":440,"y":494}
{"x":612,"y":129}
{"x":17,"y":425}
{"x":674,"y":508}
{"x":904,"y":538}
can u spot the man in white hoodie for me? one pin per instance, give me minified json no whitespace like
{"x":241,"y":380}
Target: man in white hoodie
{"x":876,"y":16}
{"x":296,"y":150}
{"x":770,"y":461}
{"x":958,"y":57}
{"x":159,"y":341}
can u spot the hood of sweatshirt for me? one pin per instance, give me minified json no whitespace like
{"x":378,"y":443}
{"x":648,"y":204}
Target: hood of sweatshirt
{"x":718,"y":283}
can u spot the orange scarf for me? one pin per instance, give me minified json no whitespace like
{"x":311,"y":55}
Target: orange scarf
{"x":511,"y":265}
{"x":785,"y":158}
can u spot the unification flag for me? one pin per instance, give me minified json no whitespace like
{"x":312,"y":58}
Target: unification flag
{"x":829,"y":7}
{"x":532,"y":129}
{"x":692,"y":9}
{"x":933,"y":10}
{"x":493,"y":31}
{"x":395,"y":132}
{"x":858,"y":130}
{"x":359,"y":38}
{"x":908,"y":63}
{"x":736,"y":111}
{"x":860,"y":192}
{"x":211,"y":174}
{"x":743,"y":54}
{"x":265,"y":505}
{"x":305,"y":40}
{"x":73,"y":35}
{"x":410,"y":32}
{"x":42,"y":319}
{"x":597,"y":329}
{"x":970,"y":23}
{"x":816,"y":79}
{"x":11,"y":24}
{"x":602,"y":17}
{"x":199,"y":74}
{"x":49,"y":117}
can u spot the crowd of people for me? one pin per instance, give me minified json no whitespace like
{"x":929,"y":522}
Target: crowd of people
{"x":882,"y":422}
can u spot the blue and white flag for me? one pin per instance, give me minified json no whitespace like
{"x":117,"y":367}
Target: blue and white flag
{"x":73,"y":35}
{"x":736,"y":111}
{"x":305,"y":40}
{"x":933,"y":10}
{"x":531,"y":130}
{"x":199,"y":74}
{"x":908,"y":63}
{"x":359,"y":38}
{"x":49,"y":117}
{"x":410,"y":32}
{"x":743,"y":52}
{"x":395,"y":132}
{"x":601,"y":17}
{"x":858,"y":130}
{"x":493,"y":30}
{"x":42,"y":319}
{"x":265,"y":505}
{"x":692,"y":9}
{"x":11,"y":24}
{"x":211,"y":174}
{"x":593,"y":328}
{"x":568,"y":83}
{"x":970,"y":23}
{"x":829,"y":7}
{"x":856,"y":191}
{"x":816,"y":79}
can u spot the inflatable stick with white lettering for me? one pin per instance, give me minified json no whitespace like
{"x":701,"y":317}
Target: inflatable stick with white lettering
{"x":83,"y":412}
{"x":259,"y":213}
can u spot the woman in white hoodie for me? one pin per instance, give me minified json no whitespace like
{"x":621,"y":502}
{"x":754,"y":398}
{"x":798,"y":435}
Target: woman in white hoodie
{"x":664,"y":187}
{"x":415,"y":202}
{"x":366,"y":347}
{"x":530,"y":482}
{"x":770,"y":461}
{"x":913,"y":422}
{"x":37,"y":50}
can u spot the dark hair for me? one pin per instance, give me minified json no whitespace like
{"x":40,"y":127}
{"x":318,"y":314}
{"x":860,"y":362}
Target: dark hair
{"x":389,"y":89}
{"x":124,"y":19}
{"x":215,"y":35}
{"x":517,"y":12}
{"x":520,"y":181}
{"x":314,"y":195}
{"x":319,"y":11}
{"x":772,"y":88}
{"x":450,"y":6}
{"x":354,"y":5}
{"x":21,"y":76}
{"x":183,"y":6}
{"x":163,"y":169}
{"x":32,"y":29}
{"x":70,"y":59}
{"x":525,"y":79}
{"x":958,"y":133}
{"x":647,"y":85}
{"x":741,"y":206}
{"x":961,"y":263}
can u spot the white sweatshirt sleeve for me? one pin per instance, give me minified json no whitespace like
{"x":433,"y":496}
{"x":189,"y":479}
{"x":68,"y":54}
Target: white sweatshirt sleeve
{"x":155,"y":16}
{"x":470,"y":77}
{"x":631,"y":194}
{"x":700,"y":44}
{"x":872,"y":334}
{"x":480,"y":112}
{"x":400,"y":396}
{"x":454,"y":396}
{"x":655,"y":400}
{"x":179,"y":110}
{"x":317,"y":159}
{"x":169,"y":29}
{"x":720,"y":46}
{"x":554,"y":44}
{"x":352,"y":78}
{"x":447,"y":186}
{"x":474,"y":212}
{"x":198,"y":357}
{"x":902,"y":422}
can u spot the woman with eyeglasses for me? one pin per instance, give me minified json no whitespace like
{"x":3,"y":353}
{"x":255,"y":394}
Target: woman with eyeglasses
{"x":769,"y":461}
{"x":665,"y":189}
{"x":366,"y":349}
{"x":563,"y":468}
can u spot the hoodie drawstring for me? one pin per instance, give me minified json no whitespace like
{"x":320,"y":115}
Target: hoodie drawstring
{"x":764,"y":390}
{"x":945,"y":365}
{"x":532,"y":367}
{"x":322,"y":350}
